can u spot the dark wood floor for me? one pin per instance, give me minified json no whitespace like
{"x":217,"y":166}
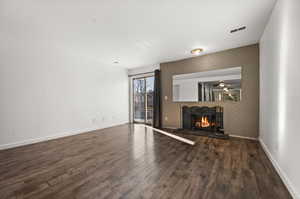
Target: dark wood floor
{"x":131,"y":162}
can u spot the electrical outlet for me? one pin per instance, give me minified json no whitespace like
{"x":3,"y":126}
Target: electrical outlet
{"x":166,"y":97}
{"x":166,"y":118}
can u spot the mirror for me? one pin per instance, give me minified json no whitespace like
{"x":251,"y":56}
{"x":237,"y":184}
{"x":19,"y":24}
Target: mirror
{"x":209,"y":86}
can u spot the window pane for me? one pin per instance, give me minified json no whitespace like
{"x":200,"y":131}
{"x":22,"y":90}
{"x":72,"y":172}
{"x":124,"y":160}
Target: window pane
{"x":139,"y":100}
{"x":150,"y":92}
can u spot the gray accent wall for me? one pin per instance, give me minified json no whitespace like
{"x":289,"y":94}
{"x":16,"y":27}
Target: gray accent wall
{"x":240,"y":118}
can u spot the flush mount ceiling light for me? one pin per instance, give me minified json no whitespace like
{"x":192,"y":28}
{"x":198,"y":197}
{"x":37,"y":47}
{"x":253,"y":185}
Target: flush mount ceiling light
{"x":115,"y":62}
{"x":196,"y":51}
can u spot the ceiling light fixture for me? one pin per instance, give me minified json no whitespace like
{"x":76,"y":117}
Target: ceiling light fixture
{"x":116,"y":62}
{"x":222,"y":84}
{"x":196,"y":51}
{"x":226,"y":89}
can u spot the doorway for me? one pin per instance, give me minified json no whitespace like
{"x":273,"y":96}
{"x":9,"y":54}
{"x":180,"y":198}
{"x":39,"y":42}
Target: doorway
{"x":143,"y":90}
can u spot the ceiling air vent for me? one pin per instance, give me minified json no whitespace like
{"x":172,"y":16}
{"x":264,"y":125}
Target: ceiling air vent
{"x":238,"y":29}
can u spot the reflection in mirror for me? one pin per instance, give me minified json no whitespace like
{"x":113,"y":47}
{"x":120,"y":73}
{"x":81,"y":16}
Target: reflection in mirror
{"x":209,"y":86}
{"x":228,"y":90}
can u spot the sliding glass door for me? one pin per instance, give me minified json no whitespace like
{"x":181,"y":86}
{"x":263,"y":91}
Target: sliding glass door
{"x":143,"y":99}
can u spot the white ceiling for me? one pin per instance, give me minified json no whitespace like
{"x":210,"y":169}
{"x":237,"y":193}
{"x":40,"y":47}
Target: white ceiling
{"x":134,"y":32}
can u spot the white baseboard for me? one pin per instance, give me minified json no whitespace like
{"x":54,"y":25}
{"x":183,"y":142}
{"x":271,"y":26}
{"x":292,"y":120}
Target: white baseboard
{"x":280,"y":172}
{"x":243,"y":137}
{"x":52,"y":137}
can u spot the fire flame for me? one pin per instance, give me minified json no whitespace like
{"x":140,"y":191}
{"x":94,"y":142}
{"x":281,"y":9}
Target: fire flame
{"x":204,"y":122}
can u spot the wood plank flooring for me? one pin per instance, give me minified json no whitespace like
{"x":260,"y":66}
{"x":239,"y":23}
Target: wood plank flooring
{"x":129,"y":161}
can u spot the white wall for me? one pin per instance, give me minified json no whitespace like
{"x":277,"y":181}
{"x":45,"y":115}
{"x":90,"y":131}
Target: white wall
{"x":280,"y":91}
{"x":144,"y":69}
{"x":47,"y":92}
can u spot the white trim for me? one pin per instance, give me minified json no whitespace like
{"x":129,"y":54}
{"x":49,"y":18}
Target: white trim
{"x":171,"y":135}
{"x":280,"y":172}
{"x":243,"y":137}
{"x":51,"y":137}
{"x":149,"y":74}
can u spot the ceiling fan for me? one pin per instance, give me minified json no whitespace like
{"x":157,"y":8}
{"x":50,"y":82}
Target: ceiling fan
{"x":220,"y":84}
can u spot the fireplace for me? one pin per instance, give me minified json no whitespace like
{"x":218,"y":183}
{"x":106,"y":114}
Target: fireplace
{"x":203,"y":118}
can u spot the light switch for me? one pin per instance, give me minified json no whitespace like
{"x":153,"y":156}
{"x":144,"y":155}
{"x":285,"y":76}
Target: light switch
{"x":166,"y":97}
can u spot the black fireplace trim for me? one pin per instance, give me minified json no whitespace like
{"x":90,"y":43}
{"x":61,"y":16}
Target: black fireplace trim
{"x":215,"y":113}
{"x":196,"y":111}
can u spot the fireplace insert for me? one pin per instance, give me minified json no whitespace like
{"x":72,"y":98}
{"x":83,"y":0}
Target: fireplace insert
{"x":207,"y":119}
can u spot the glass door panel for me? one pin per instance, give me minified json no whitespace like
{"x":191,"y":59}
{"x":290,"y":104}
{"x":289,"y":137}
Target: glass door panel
{"x":149,"y":101}
{"x":139,"y":113}
{"x":143,"y":99}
